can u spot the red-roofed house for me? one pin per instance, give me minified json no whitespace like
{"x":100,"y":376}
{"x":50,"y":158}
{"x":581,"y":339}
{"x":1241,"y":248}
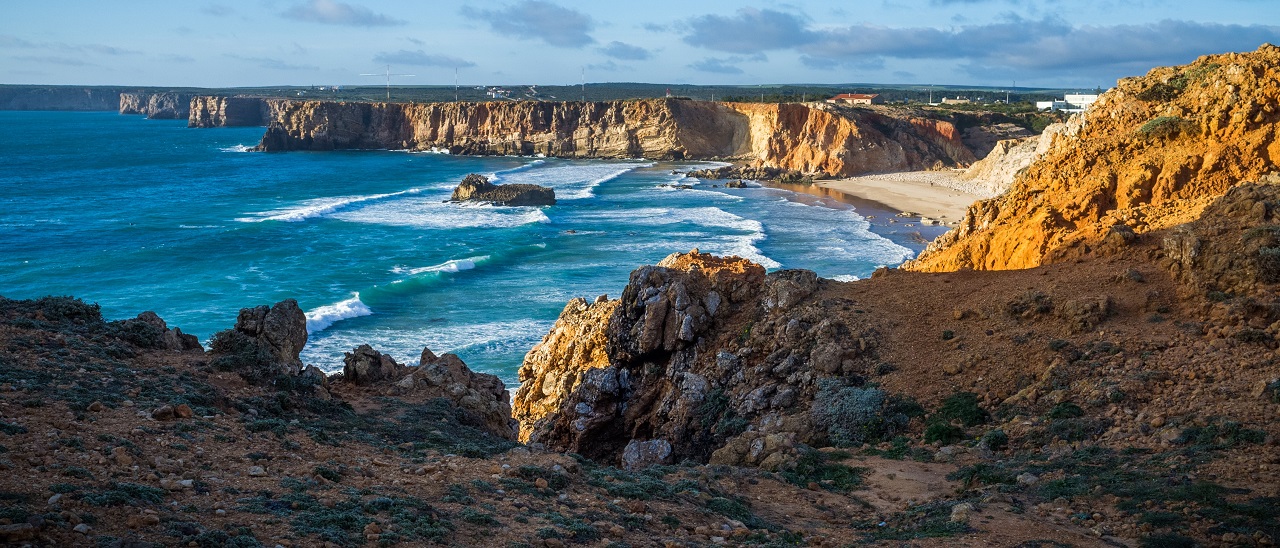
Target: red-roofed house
{"x":857,"y":99}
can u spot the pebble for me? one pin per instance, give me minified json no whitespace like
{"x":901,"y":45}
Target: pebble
{"x":83,"y":528}
{"x":257,"y":471}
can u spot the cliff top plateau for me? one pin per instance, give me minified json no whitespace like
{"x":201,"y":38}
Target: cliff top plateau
{"x":1150,"y":154}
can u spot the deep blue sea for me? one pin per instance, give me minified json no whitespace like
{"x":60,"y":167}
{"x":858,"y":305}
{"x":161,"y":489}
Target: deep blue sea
{"x":139,"y":214}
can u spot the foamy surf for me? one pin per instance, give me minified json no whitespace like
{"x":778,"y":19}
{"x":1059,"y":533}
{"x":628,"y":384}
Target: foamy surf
{"x":450,"y":266}
{"x":319,"y":319}
{"x":237,"y":148}
{"x":319,"y":207}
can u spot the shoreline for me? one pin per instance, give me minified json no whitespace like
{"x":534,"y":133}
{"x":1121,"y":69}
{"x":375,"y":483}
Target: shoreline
{"x":931,"y":195}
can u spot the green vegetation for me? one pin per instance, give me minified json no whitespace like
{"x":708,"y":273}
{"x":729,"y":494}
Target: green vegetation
{"x":820,"y":468}
{"x":1164,"y":127}
{"x":853,"y":415}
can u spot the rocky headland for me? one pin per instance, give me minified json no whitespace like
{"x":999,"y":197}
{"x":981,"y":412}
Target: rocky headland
{"x":1094,"y":359}
{"x":1152,"y":153}
{"x":807,"y":138}
{"x":214,"y":111}
{"x":477,"y":188}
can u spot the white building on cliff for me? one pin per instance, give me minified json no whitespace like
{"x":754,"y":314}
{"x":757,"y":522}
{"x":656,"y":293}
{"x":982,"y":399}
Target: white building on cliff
{"x":1069,"y":103}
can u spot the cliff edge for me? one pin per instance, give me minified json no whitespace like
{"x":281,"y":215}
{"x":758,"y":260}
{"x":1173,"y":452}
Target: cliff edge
{"x":810,"y":138}
{"x":1150,"y":154}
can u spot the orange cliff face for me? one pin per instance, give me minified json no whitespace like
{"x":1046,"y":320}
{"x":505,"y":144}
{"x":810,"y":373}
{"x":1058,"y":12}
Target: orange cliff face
{"x":1151,"y":154}
{"x":816,"y":140}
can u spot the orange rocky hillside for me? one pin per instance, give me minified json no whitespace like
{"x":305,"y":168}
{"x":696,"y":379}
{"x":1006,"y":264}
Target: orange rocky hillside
{"x":1153,"y":152}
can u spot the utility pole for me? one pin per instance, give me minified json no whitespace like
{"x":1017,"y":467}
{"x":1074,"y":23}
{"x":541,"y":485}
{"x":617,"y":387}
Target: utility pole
{"x":455,"y":84}
{"x":584,"y":84}
{"x":388,"y":75}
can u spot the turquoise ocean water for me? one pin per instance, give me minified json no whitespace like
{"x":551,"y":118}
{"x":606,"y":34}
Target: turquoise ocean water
{"x":139,"y":214}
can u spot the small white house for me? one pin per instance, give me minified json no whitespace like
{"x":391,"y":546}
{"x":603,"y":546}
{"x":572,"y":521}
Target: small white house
{"x":1069,"y":103}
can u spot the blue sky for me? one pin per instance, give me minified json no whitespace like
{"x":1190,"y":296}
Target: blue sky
{"x":1081,"y":44}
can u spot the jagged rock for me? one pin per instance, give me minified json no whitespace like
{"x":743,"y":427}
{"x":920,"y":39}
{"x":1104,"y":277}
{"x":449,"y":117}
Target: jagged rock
{"x":265,"y":342}
{"x":364,"y":365}
{"x":771,"y":452}
{"x":477,"y":188}
{"x":639,"y":455}
{"x":1202,"y":254}
{"x":695,"y":351}
{"x":482,"y":400}
{"x":172,"y":339}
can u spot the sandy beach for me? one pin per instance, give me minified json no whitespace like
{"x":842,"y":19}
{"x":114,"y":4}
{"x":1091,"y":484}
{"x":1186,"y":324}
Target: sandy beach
{"x":938,"y":195}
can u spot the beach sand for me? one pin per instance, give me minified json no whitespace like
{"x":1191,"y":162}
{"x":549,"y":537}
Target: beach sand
{"x":938,"y":195}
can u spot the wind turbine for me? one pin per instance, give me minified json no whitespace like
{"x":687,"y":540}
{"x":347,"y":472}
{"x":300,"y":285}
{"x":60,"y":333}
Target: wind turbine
{"x":388,"y":75}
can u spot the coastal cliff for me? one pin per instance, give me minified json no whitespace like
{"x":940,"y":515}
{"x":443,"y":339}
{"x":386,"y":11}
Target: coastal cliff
{"x":208,"y":111}
{"x":1151,"y":153}
{"x":156,"y":106}
{"x":59,"y":98}
{"x":811,"y":139}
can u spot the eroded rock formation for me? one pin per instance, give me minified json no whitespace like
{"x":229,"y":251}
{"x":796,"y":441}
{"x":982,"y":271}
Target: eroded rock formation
{"x":697,"y":350}
{"x":1152,"y":153}
{"x":211,"y":111}
{"x":157,"y":106}
{"x":265,"y":342}
{"x":477,"y":188}
{"x":810,"y":139}
{"x":481,"y":400}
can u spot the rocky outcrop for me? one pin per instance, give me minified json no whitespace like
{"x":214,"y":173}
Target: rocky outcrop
{"x":809,"y":139}
{"x":697,"y":351}
{"x":364,"y":366}
{"x":265,"y":342}
{"x":477,"y":188}
{"x":1234,"y":248}
{"x":481,"y":400}
{"x":170,"y":339}
{"x":1151,"y":154}
{"x":773,"y":174}
{"x":982,"y":139}
{"x":157,"y":106}
{"x":211,"y":111}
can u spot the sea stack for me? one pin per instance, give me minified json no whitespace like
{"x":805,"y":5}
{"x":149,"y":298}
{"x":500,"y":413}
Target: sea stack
{"x":477,"y":188}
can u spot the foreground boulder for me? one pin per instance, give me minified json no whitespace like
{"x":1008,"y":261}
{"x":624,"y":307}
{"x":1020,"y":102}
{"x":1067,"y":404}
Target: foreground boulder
{"x":264,"y":343}
{"x":698,"y":350}
{"x":481,"y":400}
{"x":477,"y":188}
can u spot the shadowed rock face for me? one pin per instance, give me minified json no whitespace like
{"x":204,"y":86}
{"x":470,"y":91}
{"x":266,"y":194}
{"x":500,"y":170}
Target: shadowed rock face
{"x":157,"y":106}
{"x":477,"y":188}
{"x":1152,"y":153}
{"x":265,"y":342}
{"x":697,"y":349}
{"x":481,"y":400}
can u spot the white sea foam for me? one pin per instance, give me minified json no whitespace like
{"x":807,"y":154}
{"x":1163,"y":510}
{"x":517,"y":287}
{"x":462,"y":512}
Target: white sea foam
{"x":405,"y":345}
{"x":200,"y":226}
{"x":430,"y":213}
{"x":845,"y":278}
{"x":571,"y":181}
{"x":321,"y":318}
{"x":450,"y":266}
{"x":237,"y":148}
{"x":319,"y":207}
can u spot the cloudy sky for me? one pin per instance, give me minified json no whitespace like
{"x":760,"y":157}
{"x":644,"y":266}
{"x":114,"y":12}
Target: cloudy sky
{"x":1051,"y":43}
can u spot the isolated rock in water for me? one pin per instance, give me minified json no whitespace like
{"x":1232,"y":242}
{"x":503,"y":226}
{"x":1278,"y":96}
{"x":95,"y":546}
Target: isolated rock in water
{"x":364,"y":365}
{"x":477,"y":188}
{"x":170,"y":339}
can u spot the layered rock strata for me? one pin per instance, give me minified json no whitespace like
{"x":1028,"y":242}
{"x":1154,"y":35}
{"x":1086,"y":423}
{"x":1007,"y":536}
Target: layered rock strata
{"x":211,"y":111}
{"x":809,"y":139}
{"x":1152,"y":153}
{"x":157,"y":106}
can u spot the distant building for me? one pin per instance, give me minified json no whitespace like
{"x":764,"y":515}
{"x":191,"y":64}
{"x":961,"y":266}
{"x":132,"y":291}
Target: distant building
{"x":1069,"y":103}
{"x":957,"y":101}
{"x":857,"y":99}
